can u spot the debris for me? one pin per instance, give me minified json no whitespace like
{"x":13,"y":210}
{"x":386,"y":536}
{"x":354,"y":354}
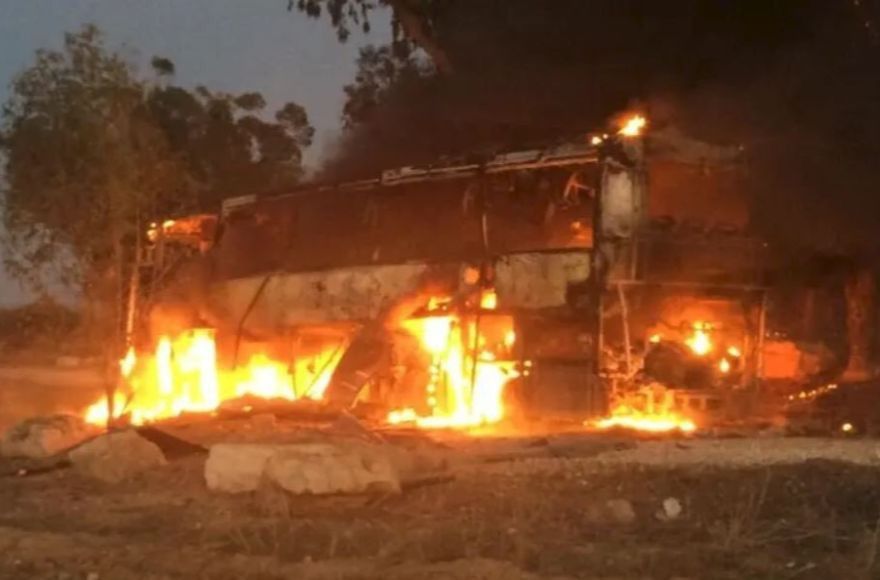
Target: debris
{"x":671,"y":509}
{"x":42,"y":437}
{"x":172,"y":447}
{"x":116,"y":456}
{"x":301,"y":468}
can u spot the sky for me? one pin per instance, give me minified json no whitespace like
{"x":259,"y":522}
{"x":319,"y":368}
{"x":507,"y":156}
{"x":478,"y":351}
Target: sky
{"x":227,"y":45}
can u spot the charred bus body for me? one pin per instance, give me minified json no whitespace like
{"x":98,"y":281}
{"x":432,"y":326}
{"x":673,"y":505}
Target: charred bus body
{"x":587,"y":267}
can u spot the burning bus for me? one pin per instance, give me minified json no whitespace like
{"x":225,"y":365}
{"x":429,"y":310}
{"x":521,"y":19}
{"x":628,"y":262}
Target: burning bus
{"x":611,"y":278}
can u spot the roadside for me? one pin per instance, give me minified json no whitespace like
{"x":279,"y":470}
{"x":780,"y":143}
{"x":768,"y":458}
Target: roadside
{"x":736,"y":508}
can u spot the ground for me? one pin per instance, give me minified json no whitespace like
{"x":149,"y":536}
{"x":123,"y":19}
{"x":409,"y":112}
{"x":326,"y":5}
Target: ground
{"x":573,"y":506}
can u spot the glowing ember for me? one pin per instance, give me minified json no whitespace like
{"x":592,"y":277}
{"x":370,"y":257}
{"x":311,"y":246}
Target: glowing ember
{"x":182,"y":376}
{"x":633,"y":126}
{"x":655,"y":339}
{"x":628,"y":418}
{"x":734,"y":352}
{"x":699,"y":342}
{"x":724,"y":366}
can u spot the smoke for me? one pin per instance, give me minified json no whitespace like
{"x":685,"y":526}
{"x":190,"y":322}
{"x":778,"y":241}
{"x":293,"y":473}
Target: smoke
{"x":791,"y":81}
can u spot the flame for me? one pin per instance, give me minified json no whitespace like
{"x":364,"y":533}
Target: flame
{"x":182,"y":376}
{"x":470,"y":364}
{"x":724,"y":366}
{"x":126,"y":365}
{"x":627,"y":417}
{"x":489,"y":300}
{"x":734,"y":352}
{"x":633,"y":126}
{"x":467,"y":375}
{"x":699,"y":341}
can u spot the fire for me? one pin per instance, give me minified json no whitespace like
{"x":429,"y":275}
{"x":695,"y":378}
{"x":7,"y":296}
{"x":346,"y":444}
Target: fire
{"x":182,"y":376}
{"x":633,"y":126}
{"x":470,"y":366}
{"x":699,"y":341}
{"x":724,"y":366}
{"x":627,"y":417}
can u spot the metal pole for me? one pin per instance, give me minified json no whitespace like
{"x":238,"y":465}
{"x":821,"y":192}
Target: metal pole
{"x":624,"y":319}
{"x":762,"y":331}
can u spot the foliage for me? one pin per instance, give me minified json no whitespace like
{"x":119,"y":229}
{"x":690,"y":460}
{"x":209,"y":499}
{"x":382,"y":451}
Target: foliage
{"x":226,"y":145}
{"x":412,"y":23}
{"x":92,"y":153}
{"x":83,"y":162}
{"x":380,"y":69}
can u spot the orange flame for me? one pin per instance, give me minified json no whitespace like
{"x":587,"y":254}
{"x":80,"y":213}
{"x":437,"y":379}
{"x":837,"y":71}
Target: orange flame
{"x":463,"y":390}
{"x":182,"y":376}
{"x":633,"y":126}
{"x":660,"y":422}
{"x":699,"y":341}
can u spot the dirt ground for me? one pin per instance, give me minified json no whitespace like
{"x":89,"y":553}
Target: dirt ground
{"x":581,"y":507}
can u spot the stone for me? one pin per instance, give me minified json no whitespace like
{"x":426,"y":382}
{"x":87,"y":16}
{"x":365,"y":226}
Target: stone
{"x":237,"y":467}
{"x":42,"y":437}
{"x":613,"y":511}
{"x":671,"y":509}
{"x":302,"y":468}
{"x":621,"y":511}
{"x":320,"y":469}
{"x":118,"y":456}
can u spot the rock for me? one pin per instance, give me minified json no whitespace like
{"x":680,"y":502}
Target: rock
{"x":613,"y":511}
{"x":621,"y":511}
{"x":237,"y":467}
{"x":115,"y":457}
{"x":302,"y":468}
{"x":671,"y":509}
{"x":320,"y":468}
{"x":42,"y":437}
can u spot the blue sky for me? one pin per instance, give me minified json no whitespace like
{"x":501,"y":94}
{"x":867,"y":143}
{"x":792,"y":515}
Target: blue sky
{"x":229,"y":45}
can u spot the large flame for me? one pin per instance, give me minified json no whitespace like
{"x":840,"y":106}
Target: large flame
{"x":633,"y":126}
{"x":182,"y":376}
{"x":470,"y":365}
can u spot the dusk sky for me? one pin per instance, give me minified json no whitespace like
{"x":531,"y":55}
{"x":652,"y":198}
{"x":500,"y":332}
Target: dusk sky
{"x":231,"y":45}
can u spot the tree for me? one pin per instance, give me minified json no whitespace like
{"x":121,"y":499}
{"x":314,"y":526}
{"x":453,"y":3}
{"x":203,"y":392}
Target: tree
{"x":225,"y":142}
{"x":412,"y":22}
{"x":83,"y":164}
{"x":380,"y":70}
{"x":93,"y":154}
